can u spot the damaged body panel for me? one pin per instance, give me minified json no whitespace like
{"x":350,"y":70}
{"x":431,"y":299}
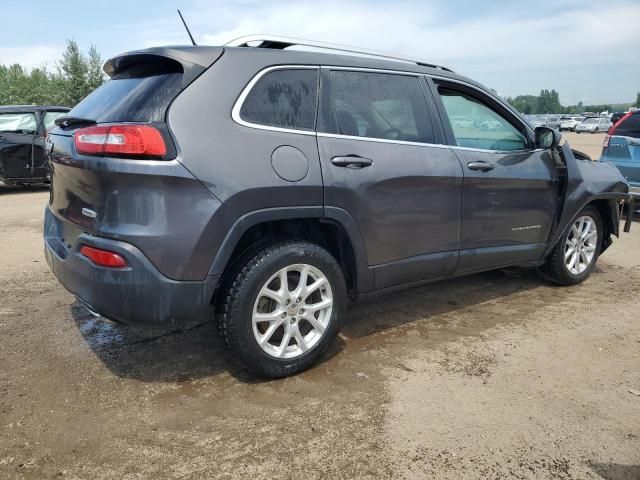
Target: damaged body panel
{"x":585,"y":182}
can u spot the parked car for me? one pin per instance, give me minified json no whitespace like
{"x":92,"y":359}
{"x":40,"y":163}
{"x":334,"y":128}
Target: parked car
{"x":22,"y":131}
{"x":553,"y":122}
{"x":593,"y":125}
{"x":538,"y":121}
{"x":616,"y":116}
{"x":570,"y":123}
{"x":622,"y":147}
{"x":274,"y":185}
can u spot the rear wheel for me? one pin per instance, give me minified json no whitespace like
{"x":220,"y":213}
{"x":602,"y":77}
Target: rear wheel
{"x":283,"y":308}
{"x":575,"y":255}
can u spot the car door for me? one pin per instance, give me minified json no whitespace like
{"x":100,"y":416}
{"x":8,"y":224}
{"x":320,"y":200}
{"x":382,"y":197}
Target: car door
{"x":381,"y":164}
{"x":510,"y":189}
{"x":17,"y":130}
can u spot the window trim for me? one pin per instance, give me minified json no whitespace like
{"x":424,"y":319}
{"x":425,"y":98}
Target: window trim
{"x":235,"y":112}
{"x":425,"y":93}
{"x":440,"y":80}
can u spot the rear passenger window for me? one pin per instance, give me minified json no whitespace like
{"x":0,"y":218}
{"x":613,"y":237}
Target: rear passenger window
{"x":284,"y":99}
{"x":376,"y":105}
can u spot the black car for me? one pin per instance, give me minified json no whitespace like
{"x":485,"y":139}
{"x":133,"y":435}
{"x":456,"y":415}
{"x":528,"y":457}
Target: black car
{"x":273,"y":186}
{"x":22,"y":133}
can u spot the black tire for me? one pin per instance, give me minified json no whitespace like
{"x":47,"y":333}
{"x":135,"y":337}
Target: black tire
{"x":555,"y":269}
{"x":596,"y":130}
{"x":240,"y":295}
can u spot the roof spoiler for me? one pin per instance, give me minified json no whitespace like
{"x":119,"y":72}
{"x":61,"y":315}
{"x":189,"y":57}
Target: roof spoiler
{"x":193,"y":61}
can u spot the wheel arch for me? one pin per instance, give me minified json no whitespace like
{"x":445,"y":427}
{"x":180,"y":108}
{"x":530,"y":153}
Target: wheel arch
{"x":332,"y":228}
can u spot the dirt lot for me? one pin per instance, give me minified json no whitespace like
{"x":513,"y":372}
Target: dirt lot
{"x":589,"y":143}
{"x":497,"y":375}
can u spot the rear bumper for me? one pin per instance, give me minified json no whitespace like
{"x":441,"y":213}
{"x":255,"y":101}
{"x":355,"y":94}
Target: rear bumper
{"x":137,"y":294}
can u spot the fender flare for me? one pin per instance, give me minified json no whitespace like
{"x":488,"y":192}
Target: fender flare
{"x":562,"y":228}
{"x":364,"y":276}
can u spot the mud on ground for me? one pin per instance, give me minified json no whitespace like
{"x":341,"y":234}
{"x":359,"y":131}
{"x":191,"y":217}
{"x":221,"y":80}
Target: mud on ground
{"x":496,"y":375}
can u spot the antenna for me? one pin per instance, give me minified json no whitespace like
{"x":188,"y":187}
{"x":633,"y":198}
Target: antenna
{"x":187,"y":28}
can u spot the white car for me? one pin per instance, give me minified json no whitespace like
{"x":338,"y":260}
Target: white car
{"x":593,"y":125}
{"x":570,"y":123}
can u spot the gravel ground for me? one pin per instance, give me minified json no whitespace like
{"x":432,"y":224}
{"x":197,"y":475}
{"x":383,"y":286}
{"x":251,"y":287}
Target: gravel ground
{"x":496,"y":375}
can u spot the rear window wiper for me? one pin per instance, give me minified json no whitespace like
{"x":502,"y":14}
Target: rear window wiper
{"x":67,"y":121}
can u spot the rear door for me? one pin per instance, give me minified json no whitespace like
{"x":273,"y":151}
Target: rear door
{"x":510,"y":190}
{"x":17,"y":130}
{"x":381,"y":163}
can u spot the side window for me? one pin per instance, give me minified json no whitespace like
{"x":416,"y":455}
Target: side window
{"x":284,"y":99}
{"x":475,"y":125}
{"x":18,"y":123}
{"x":50,"y":118}
{"x":375,"y":105}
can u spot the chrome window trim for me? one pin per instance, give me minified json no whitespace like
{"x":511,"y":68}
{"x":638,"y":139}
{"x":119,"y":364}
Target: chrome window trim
{"x":235,"y":112}
{"x":382,"y":140}
{"x":237,"y":106}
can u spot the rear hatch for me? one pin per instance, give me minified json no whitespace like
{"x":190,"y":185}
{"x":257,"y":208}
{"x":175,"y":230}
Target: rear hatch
{"x":114,"y":163}
{"x":142,"y":86}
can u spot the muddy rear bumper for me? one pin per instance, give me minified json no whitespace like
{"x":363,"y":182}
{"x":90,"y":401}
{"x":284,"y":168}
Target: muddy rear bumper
{"x":137,"y":294}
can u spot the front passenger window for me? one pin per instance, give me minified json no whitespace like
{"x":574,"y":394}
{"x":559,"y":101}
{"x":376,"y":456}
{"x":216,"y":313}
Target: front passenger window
{"x":475,"y":125}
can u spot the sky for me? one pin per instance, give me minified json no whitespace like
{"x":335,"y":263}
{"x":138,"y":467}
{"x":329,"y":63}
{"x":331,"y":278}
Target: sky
{"x":587,"y":50}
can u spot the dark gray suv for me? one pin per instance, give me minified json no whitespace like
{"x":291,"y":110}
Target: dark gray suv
{"x":268,"y":187}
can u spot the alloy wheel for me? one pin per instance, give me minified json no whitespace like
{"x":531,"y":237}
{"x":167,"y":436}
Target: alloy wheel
{"x":292,"y":311}
{"x":580,"y":246}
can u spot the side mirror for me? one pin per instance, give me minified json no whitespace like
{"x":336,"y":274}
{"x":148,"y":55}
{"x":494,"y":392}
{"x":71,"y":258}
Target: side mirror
{"x":547,"y":137}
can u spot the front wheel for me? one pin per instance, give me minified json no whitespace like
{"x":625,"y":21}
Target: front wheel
{"x":575,"y":255}
{"x":283,"y":308}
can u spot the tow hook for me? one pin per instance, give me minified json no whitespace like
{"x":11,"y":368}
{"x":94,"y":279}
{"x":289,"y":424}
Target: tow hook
{"x":630,"y":209}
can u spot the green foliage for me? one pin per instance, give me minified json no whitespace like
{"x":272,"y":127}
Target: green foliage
{"x":638,"y":100}
{"x":549,"y":102}
{"x":76,"y":76}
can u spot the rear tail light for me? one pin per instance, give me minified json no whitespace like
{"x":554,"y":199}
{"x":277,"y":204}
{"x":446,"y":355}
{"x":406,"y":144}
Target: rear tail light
{"x":121,"y":140}
{"x":605,"y":142}
{"x":103,"y":258}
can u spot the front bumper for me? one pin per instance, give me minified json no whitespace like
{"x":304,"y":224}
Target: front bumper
{"x":137,"y":294}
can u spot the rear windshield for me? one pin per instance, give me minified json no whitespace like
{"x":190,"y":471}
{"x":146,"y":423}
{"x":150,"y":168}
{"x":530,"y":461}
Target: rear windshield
{"x":134,"y":95}
{"x":630,"y":127}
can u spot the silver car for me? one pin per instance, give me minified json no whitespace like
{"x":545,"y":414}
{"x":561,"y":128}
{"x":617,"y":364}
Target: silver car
{"x":570,"y":123}
{"x":594,"y":125}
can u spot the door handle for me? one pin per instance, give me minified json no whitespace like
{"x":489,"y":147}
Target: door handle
{"x":352,"y":162}
{"x":481,"y":165}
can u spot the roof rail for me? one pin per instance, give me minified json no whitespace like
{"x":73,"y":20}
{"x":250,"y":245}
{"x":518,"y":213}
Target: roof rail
{"x":277,"y":42}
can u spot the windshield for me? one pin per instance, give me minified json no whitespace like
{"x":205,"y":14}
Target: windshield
{"x":18,"y":123}
{"x":131,"y":97}
{"x":50,"y":118}
{"x":591,"y":120}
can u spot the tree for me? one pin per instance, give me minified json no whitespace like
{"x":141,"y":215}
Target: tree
{"x":638,"y":100}
{"x":75,"y":77}
{"x":95,"y":76}
{"x":73,"y":67}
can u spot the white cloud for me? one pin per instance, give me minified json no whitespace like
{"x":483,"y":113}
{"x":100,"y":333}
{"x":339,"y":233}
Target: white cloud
{"x":573,"y":46}
{"x":32,"y":56}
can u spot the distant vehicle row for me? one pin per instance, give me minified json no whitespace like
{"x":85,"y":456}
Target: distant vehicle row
{"x":578,"y":124}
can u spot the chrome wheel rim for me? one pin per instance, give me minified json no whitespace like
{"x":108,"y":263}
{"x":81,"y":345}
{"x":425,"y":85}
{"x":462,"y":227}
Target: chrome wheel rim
{"x":580,"y":247}
{"x":292,"y":311}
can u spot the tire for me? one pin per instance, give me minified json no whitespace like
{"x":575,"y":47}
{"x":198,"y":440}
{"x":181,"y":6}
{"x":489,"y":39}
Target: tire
{"x":251,"y":292}
{"x":595,"y":130}
{"x":559,"y":271}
